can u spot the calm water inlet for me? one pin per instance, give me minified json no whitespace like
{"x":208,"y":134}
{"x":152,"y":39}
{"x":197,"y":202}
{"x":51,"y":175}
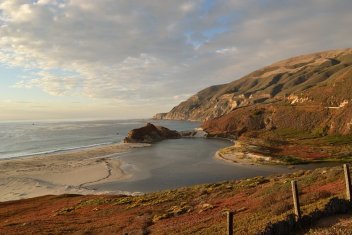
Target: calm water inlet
{"x":182,"y":162}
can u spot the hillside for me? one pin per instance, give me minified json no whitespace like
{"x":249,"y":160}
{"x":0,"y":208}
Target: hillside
{"x":257,"y":203}
{"x":309,"y":92}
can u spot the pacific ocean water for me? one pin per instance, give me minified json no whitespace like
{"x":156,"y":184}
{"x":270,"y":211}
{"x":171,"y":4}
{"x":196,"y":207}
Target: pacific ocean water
{"x":28,"y":138}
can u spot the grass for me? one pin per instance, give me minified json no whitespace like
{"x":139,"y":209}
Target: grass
{"x":288,"y":133}
{"x":338,"y":139}
{"x":289,"y":146}
{"x":291,"y":160}
{"x":198,"y":209}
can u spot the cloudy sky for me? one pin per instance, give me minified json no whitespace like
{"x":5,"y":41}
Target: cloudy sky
{"x":116,"y":59}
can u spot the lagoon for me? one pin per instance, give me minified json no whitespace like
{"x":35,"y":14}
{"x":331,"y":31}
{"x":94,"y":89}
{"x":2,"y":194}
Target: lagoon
{"x":183,"y":162}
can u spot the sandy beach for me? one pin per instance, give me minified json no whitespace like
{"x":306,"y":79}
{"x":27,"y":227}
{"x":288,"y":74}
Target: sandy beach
{"x":241,"y":153}
{"x":62,"y":172}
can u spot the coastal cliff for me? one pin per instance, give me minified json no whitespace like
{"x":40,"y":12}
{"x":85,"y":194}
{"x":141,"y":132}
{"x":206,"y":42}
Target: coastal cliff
{"x":150,"y":134}
{"x":306,"y":93}
{"x":297,"y":110}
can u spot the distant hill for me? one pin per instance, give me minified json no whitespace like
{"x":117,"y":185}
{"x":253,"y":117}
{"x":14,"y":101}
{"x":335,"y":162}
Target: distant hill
{"x":309,"y":93}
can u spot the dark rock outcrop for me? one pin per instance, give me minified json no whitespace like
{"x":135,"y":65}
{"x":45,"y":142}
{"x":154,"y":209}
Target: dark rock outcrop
{"x":150,"y":134}
{"x":197,"y":132}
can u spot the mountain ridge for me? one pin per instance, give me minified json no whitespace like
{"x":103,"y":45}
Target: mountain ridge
{"x":313,"y":90}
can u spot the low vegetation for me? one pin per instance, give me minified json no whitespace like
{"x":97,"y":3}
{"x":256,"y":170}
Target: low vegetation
{"x":191,"y":210}
{"x":293,"y":147}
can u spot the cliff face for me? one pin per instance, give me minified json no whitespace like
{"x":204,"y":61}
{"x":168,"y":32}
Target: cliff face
{"x":317,"y":120}
{"x":310,"y":92}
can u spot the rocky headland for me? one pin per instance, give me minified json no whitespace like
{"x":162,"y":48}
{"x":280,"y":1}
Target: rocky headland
{"x":150,"y":134}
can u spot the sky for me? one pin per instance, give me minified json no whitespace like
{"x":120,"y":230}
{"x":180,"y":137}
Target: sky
{"x":120,"y":59}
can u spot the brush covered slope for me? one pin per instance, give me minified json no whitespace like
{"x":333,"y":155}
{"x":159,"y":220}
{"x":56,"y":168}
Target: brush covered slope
{"x":303,"y":101}
{"x":199,"y":209}
{"x":301,"y":92}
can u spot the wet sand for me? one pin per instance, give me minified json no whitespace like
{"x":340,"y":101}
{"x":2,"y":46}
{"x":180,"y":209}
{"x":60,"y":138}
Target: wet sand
{"x":62,"y":172}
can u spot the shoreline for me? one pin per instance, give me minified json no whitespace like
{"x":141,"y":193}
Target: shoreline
{"x":76,"y":171}
{"x":69,"y":171}
{"x":240,"y":153}
{"x":73,"y":150}
{"x":244,"y":158}
{"x":60,"y":151}
{"x":254,"y":153}
{"x":65,"y":171}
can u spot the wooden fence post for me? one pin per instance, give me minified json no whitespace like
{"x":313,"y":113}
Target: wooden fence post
{"x":296,"y":200}
{"x":348,"y":181}
{"x":229,"y":223}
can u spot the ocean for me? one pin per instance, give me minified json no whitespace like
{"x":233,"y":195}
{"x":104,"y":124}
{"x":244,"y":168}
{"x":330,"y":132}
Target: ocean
{"x":19,"y":139}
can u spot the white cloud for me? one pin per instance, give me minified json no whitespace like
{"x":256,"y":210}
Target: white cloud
{"x":140,"y":77}
{"x":44,"y":2}
{"x":229,"y":50}
{"x":158,"y":51}
{"x":51,"y":83}
{"x":188,"y":6}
